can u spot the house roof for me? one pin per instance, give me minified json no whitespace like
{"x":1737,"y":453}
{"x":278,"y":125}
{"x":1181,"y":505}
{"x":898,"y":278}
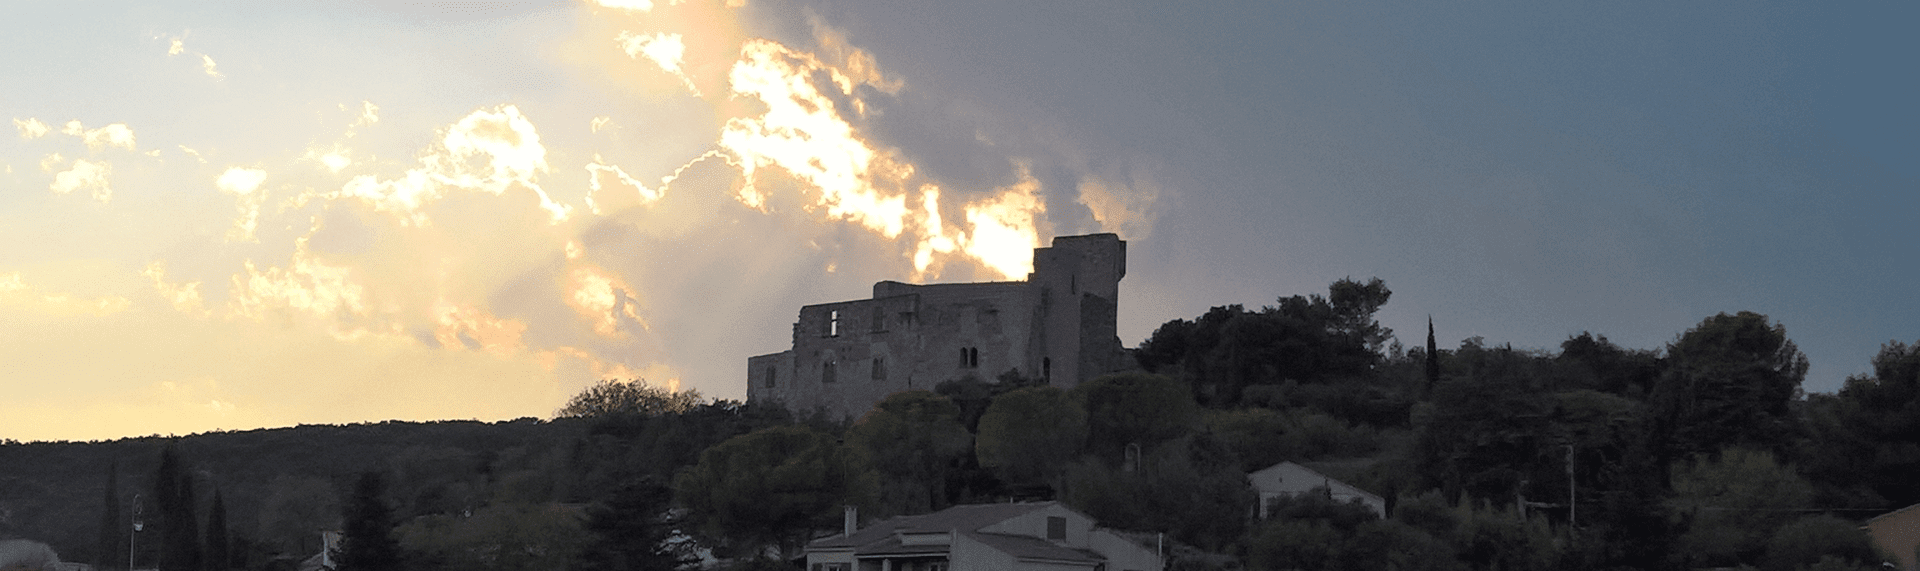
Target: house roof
{"x":1025,"y":547}
{"x":883,"y":538}
{"x":966,"y":518}
{"x":1892,"y":513}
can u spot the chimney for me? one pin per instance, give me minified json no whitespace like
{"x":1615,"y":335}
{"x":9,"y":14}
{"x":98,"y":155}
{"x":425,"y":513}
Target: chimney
{"x":850,"y":520}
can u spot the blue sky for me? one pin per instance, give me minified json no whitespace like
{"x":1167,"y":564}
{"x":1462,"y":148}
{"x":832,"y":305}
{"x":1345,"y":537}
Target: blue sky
{"x":232,"y":215}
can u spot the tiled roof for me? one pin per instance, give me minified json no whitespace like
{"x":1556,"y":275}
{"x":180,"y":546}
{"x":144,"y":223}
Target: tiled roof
{"x":964,"y":518}
{"x":1035,"y":548}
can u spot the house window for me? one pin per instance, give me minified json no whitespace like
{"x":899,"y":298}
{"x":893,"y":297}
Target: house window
{"x":827,"y":373}
{"x":772,"y":376}
{"x":833,"y":323}
{"x":879,"y":368}
{"x":1056,"y":528}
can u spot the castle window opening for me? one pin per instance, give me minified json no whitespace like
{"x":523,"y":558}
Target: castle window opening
{"x":879,"y":320}
{"x":833,"y":323}
{"x":1046,"y":370}
{"x":772,"y":375}
{"x":879,"y":368}
{"x":827,"y":373}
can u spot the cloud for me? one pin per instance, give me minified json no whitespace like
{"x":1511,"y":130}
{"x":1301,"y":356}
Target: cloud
{"x":185,"y":297}
{"x":176,"y":47}
{"x":113,"y":135}
{"x":211,"y":69}
{"x":1004,"y":227}
{"x":633,"y":5}
{"x":17,"y":295}
{"x":603,"y":199}
{"x":31,"y":128}
{"x":1127,"y":209}
{"x":244,"y":185}
{"x":86,"y":175}
{"x":488,"y":150}
{"x":307,"y":285}
{"x":664,"y":50}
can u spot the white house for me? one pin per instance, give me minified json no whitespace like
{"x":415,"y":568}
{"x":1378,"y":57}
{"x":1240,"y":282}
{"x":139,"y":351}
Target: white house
{"x":1290,"y":479}
{"x":984,"y":537}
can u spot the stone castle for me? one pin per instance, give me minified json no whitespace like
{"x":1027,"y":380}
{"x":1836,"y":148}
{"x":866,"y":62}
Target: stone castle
{"x":1057,"y":327}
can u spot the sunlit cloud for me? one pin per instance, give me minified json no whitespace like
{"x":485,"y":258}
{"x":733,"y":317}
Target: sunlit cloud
{"x":17,"y":295}
{"x":624,"y":192}
{"x":473,"y":328}
{"x":211,"y":69}
{"x":244,"y":185}
{"x":306,"y":285}
{"x":31,"y":128}
{"x":604,"y":300}
{"x":488,"y":151}
{"x":85,"y":175}
{"x":184,"y":297}
{"x":663,"y":49}
{"x":114,"y":135}
{"x":595,"y":126}
{"x":634,"y":5}
{"x":1004,"y":227}
{"x":176,"y":47}
{"x":1125,"y":209}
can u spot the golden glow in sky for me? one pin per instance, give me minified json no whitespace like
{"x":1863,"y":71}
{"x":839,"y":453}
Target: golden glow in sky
{"x":453,"y":214}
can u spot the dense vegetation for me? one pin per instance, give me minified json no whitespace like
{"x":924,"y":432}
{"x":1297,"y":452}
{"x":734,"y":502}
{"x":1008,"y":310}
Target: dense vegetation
{"x":1703,"y":453}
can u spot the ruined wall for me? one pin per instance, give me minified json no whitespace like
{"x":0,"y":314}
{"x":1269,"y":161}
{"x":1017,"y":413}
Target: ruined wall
{"x":849,"y":355}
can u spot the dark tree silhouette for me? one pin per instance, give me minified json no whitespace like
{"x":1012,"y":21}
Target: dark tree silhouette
{"x":367,"y":542}
{"x":218,"y":556}
{"x":632,"y":530}
{"x":173,"y":496}
{"x":1433,"y":357}
{"x":113,"y":532}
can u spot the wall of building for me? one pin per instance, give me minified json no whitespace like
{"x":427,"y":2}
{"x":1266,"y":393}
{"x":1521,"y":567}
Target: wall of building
{"x":1060,"y":324}
{"x":1898,"y":534}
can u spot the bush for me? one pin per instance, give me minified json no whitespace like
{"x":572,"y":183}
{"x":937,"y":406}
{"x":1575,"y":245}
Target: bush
{"x":1811,"y":541}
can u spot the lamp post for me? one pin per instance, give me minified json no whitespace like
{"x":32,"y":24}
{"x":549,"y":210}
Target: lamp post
{"x":137,"y":525}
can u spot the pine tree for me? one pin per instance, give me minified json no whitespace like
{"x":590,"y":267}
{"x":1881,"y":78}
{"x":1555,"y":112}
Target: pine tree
{"x":218,"y":556}
{"x":367,"y":542}
{"x":113,"y":532}
{"x":632,"y":531}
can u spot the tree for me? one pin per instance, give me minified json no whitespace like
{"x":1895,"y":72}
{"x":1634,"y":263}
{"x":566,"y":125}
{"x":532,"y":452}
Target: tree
{"x":916,"y":442}
{"x":770,"y":487}
{"x":633,"y":530}
{"x":1027,"y":436}
{"x":1731,"y":380}
{"x":615,"y":397}
{"x":504,"y":536}
{"x":1866,"y":438}
{"x":113,"y":530}
{"x":1809,"y":540}
{"x":1734,"y":503}
{"x":1134,"y":409}
{"x":219,"y":557}
{"x":1432,"y":358}
{"x":367,"y":542}
{"x":173,"y":496}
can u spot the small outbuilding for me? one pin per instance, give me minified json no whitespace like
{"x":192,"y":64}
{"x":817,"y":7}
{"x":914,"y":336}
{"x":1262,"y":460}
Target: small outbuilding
{"x":1290,"y":479}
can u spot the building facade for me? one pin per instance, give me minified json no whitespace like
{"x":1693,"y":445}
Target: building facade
{"x":1059,"y":326}
{"x":1288,"y":479}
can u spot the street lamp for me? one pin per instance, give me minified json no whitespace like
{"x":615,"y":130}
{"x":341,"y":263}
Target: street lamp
{"x":137,"y":525}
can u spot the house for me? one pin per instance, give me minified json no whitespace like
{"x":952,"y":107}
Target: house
{"x":984,"y":537}
{"x":1898,"y":533}
{"x":1290,"y":479}
{"x":1059,"y":327}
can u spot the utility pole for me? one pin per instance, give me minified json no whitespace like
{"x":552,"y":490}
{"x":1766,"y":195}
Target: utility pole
{"x":137,"y":524}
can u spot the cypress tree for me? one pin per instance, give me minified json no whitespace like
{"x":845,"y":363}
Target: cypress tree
{"x":1433,"y":357}
{"x":113,"y":532}
{"x":367,"y":542}
{"x":179,"y":535}
{"x":218,"y":556}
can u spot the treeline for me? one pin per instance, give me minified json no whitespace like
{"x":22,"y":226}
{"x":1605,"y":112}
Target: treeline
{"x":1702,"y":453}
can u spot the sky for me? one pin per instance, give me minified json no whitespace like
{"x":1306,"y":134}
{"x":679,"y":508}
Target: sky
{"x":233,"y":215}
